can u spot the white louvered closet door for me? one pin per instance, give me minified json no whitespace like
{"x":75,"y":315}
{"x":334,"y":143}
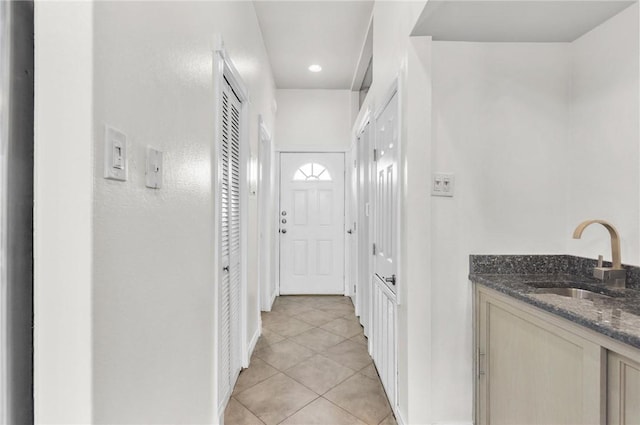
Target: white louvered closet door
{"x":230,"y":332}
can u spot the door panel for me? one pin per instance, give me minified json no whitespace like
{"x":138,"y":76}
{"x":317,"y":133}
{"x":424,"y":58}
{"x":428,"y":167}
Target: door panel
{"x":230,"y":328}
{"x":363,"y":233}
{"x":384,"y":310}
{"x":352,"y":226}
{"x":387,"y":193}
{"x":311,"y":223}
{"x":384,"y":337}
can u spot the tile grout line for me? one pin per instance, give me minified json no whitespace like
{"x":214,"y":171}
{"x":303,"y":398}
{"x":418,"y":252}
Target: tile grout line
{"x":252,"y":412}
{"x":299,"y":409}
{"x":321,"y":395}
{"x":315,"y":352}
{"x":320,"y":354}
{"x":351,"y":413}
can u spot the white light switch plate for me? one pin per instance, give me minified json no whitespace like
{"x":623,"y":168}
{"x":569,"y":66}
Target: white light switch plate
{"x":154,"y":169}
{"x":442,"y":184}
{"x":115,"y":154}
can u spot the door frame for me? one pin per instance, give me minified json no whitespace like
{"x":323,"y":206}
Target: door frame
{"x":276,"y":216}
{"x":223,"y":67}
{"x":351,"y":196}
{"x":265,"y":203}
{"x":17,"y":190}
{"x":366,"y":119}
{"x":395,"y":89}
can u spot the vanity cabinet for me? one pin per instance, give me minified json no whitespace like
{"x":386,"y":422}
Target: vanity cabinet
{"x":532,"y":371}
{"x":534,"y":367}
{"x":623,"y":390}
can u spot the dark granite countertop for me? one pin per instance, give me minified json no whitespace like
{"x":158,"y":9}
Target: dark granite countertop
{"x":526,"y":277}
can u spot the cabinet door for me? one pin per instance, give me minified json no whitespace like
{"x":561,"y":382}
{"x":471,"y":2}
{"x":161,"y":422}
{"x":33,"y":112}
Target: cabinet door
{"x":383,"y":338}
{"x":623,"y":390}
{"x":533,"y":372}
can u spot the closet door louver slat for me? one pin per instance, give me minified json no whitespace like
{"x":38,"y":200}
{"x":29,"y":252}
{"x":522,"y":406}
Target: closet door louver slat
{"x":230,"y":331}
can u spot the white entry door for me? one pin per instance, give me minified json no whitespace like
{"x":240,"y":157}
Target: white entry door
{"x":311,"y":223}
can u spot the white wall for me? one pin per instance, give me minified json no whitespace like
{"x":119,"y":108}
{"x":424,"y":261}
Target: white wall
{"x":604,"y":179}
{"x":414,"y":311}
{"x":124,"y":273}
{"x":63,"y":212}
{"x":311,"y":119}
{"x":392,"y":24}
{"x":540,"y":137}
{"x":499,"y":124}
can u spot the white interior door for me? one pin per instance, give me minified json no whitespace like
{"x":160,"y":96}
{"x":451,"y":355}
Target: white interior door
{"x":230,"y":320}
{"x":265,"y":225}
{"x":386,"y":249}
{"x":352,"y":226}
{"x":384,"y":311}
{"x":311,"y":223}
{"x":363,"y":234}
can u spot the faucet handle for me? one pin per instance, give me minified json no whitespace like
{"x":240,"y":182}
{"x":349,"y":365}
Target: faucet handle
{"x":600,"y":258}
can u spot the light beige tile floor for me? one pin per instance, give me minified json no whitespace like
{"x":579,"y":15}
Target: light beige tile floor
{"x":310,"y":367}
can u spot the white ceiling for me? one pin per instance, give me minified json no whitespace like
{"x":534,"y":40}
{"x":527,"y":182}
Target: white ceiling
{"x":514,"y":21}
{"x":300,"y":33}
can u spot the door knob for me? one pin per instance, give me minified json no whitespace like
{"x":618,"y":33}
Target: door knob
{"x":284,"y":230}
{"x":391,"y":280}
{"x":225,"y":269}
{"x":349,"y":231}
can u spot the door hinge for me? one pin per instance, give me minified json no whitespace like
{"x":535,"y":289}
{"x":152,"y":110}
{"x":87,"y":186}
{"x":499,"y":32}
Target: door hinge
{"x":375,"y":155}
{"x":354,"y":289}
{"x":374,"y":249}
{"x":480,"y":363}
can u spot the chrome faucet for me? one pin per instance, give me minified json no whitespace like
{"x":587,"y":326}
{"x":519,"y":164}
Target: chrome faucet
{"x":615,"y":275}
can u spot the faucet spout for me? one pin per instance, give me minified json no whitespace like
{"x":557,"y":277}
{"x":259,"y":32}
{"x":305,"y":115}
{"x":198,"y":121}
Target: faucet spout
{"x":616,"y":257}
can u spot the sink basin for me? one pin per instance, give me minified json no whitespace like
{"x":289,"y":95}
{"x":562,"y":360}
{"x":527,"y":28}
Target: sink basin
{"x":575,"y":293}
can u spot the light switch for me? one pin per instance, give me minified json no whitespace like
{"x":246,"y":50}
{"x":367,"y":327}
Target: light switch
{"x":154,"y":168}
{"x":442,"y":184}
{"x":115,"y":154}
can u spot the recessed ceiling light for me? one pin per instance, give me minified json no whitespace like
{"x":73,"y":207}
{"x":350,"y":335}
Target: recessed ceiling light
{"x":315,"y":68}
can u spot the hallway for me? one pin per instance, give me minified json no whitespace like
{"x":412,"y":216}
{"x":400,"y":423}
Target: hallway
{"x":310,"y":366}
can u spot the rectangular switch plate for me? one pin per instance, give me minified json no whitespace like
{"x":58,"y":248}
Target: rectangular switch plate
{"x":154,"y":169}
{"x":442,"y":184}
{"x":115,"y":154}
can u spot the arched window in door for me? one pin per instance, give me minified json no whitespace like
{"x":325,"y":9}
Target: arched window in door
{"x":312,"y":172}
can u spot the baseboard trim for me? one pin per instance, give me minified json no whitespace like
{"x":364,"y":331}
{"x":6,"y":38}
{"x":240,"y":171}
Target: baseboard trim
{"x":222,"y":407}
{"x":252,"y":343}
{"x":273,"y":299}
{"x":400,"y":420}
{"x":453,"y":423}
{"x":221,"y":418}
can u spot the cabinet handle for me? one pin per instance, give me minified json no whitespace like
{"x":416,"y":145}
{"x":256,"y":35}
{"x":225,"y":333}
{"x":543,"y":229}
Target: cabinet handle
{"x":480,"y":363}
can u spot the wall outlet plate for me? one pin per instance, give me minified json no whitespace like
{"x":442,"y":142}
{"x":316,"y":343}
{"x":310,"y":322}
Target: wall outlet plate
{"x":442,"y":184}
{"x":115,"y":154}
{"x":154,"y":169}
